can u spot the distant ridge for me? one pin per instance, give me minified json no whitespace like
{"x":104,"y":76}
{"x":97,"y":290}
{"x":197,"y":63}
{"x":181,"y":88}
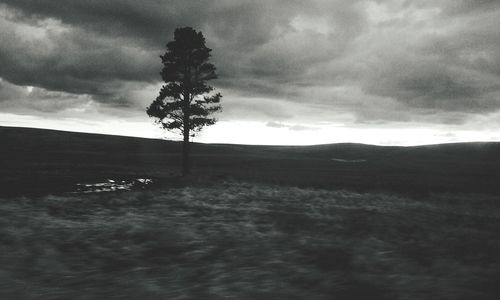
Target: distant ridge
{"x":326,"y":146}
{"x":43,"y":159}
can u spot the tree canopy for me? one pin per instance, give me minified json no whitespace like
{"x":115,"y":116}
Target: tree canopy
{"x":186,"y":102}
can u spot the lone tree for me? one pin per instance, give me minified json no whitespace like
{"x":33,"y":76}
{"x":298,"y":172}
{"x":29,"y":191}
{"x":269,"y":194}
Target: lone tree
{"x":186,"y":101}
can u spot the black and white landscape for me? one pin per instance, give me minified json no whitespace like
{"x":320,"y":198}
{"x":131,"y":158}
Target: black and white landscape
{"x":342,"y":149}
{"x":106,"y":216}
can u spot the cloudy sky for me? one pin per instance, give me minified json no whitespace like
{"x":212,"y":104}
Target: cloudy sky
{"x":391,"y":72}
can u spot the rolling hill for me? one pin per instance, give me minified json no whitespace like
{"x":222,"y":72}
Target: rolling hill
{"x":42,"y":161}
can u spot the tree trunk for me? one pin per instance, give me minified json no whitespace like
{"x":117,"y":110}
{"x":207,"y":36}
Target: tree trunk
{"x":186,"y":126}
{"x":185,"y":153}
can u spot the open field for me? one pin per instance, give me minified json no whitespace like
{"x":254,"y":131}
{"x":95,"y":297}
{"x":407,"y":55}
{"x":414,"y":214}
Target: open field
{"x":343,"y":221}
{"x":242,"y":240}
{"x":38,"y":161}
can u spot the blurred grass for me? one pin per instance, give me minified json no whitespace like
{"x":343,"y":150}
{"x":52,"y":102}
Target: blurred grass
{"x":239,"y":240}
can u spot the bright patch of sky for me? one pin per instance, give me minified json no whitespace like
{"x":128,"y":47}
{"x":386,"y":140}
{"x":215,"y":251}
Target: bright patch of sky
{"x":259,"y":133}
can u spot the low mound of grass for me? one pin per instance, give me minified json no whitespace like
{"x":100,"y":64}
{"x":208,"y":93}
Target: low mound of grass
{"x":249,"y":241}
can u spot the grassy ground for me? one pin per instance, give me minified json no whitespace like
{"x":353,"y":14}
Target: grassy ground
{"x":40,"y":161}
{"x":239,"y":240}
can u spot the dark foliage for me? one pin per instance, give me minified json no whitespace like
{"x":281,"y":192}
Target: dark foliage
{"x":186,"y":102}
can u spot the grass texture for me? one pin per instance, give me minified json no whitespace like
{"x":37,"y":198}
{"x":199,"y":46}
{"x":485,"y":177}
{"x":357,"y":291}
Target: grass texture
{"x":238,"y":240}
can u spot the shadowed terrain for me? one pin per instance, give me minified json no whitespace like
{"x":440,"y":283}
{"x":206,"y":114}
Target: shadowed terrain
{"x":249,"y":241}
{"x":38,"y":161}
{"x":343,"y":221}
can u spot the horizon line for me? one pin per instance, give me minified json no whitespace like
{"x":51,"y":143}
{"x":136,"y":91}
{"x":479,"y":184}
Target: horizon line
{"x":238,"y":144}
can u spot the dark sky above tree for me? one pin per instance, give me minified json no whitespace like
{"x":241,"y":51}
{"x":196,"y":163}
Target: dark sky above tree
{"x":300,"y":66}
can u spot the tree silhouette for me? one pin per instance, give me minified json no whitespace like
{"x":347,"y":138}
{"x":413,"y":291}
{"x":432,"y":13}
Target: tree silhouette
{"x":186,"y":101}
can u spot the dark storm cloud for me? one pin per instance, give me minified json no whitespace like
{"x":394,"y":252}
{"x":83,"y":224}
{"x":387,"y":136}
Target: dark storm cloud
{"x":93,"y":46}
{"x":431,"y":85}
{"x":23,"y":100}
{"x":52,"y":56}
{"x":467,"y":7}
{"x":443,"y":67}
{"x":295,"y":37}
{"x":359,"y":57}
{"x":114,"y":18}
